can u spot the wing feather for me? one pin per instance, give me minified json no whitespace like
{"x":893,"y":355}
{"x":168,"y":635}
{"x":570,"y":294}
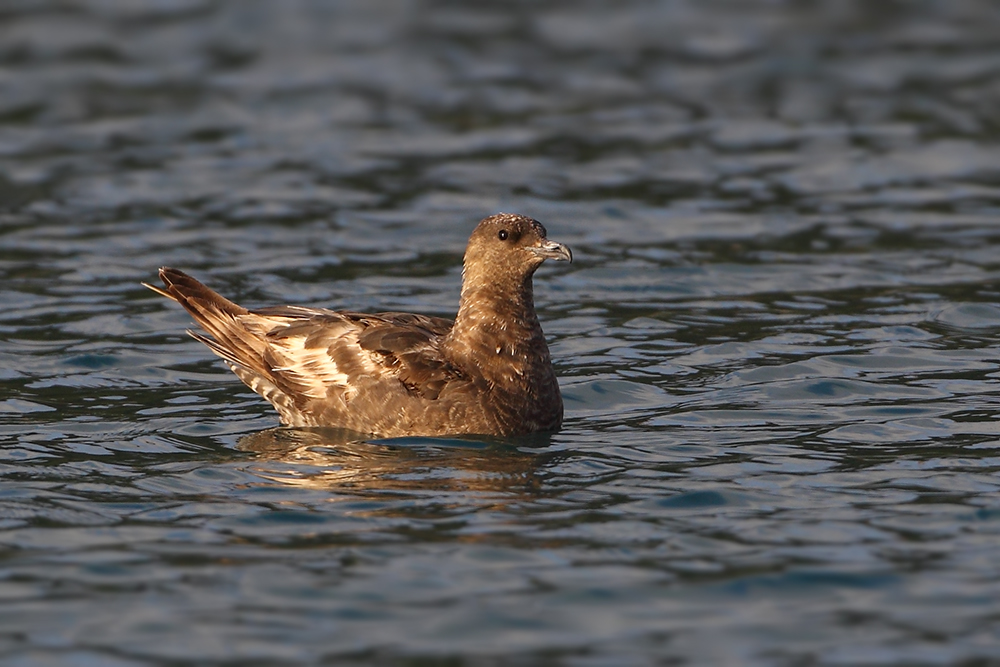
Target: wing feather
{"x":412,"y":352}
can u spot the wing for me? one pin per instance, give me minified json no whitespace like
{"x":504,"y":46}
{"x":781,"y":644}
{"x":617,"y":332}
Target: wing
{"x":295,"y":356}
{"x":323,"y":354}
{"x":409,"y":345}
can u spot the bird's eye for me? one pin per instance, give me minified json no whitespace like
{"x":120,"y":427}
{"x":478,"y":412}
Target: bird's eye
{"x":502,"y":235}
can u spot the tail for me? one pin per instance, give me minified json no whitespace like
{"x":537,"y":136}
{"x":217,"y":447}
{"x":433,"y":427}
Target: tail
{"x":217,"y":315}
{"x":237,"y":335}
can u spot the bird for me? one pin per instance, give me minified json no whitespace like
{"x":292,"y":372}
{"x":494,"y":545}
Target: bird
{"x":390,"y":374}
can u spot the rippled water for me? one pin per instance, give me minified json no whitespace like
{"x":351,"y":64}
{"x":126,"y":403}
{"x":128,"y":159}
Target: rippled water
{"x":779,"y":343}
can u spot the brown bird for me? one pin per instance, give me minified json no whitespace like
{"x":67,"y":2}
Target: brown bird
{"x":395,"y":374}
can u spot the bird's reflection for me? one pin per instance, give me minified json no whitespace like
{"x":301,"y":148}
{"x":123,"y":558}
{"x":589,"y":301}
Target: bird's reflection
{"x":347,"y":461}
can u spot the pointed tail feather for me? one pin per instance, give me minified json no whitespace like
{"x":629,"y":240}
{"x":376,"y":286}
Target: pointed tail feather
{"x":217,"y":315}
{"x":181,"y":288}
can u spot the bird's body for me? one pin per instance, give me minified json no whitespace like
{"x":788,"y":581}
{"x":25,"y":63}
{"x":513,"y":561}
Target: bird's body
{"x":395,"y":374}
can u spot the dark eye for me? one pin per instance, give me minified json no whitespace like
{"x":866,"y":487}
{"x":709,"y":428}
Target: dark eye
{"x":502,"y":235}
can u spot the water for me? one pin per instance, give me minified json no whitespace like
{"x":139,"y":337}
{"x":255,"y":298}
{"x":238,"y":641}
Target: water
{"x":778,"y":343}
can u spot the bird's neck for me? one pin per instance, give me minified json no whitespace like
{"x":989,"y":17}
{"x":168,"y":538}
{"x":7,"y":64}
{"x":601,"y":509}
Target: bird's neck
{"x":496,"y":310}
{"x":496,"y":325}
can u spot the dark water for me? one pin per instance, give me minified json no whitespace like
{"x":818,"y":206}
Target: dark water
{"x":779,"y":343}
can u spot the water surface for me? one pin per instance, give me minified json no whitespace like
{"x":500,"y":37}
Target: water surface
{"x":778,"y":342}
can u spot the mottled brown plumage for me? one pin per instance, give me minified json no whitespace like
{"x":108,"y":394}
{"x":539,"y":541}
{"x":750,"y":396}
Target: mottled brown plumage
{"x":395,"y":374}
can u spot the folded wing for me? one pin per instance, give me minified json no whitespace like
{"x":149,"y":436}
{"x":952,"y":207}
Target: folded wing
{"x":295,"y":356}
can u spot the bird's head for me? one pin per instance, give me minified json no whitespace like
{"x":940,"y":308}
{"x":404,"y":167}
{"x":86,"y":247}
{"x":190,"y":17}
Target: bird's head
{"x":511,"y":245}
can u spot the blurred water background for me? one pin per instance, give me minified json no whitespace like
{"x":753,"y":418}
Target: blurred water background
{"x":779,"y":343}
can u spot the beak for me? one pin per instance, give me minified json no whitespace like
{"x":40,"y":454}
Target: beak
{"x":552,"y":250}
